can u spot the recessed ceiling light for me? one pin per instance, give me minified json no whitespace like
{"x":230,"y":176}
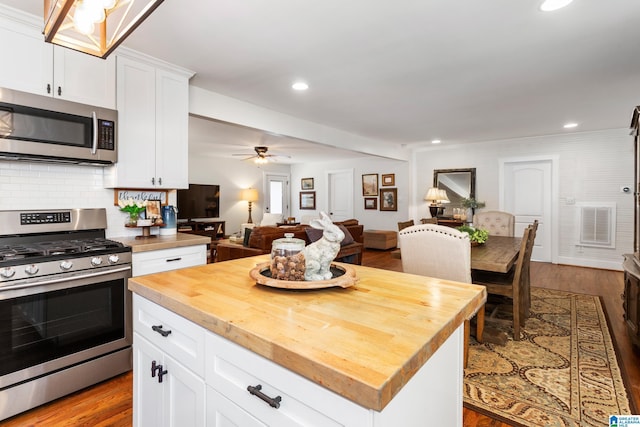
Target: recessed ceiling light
{"x":300,"y":86}
{"x":570,"y":125}
{"x":436,"y":141}
{"x":551,"y":5}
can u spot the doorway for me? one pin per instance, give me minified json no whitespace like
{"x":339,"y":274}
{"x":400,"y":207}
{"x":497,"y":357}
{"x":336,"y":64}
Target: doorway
{"x":276,"y":194}
{"x":340,"y":194}
{"x":527,"y":189}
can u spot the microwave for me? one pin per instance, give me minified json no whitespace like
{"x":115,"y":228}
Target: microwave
{"x":42,"y":128}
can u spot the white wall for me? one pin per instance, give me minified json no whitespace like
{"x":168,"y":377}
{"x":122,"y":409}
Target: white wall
{"x":232,"y":176}
{"x":592,"y":168}
{"x":371,"y":219}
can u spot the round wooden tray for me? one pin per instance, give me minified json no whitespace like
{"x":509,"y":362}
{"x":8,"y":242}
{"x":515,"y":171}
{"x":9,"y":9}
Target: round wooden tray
{"x":348,"y":278}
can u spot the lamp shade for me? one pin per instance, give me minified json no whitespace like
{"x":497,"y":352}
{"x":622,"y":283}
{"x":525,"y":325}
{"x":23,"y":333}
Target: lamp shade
{"x":249,"y":195}
{"x":432,"y":195}
{"x":442,"y":196}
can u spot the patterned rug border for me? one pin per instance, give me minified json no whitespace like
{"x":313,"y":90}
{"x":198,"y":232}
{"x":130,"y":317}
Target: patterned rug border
{"x":621,"y":368}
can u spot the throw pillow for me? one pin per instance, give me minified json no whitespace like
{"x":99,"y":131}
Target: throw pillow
{"x":247,"y":235}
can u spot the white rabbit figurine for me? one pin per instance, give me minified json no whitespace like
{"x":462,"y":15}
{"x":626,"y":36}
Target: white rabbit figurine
{"x":320,"y":253}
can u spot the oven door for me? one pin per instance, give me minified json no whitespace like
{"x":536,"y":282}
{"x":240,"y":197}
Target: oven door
{"x":45,"y":327}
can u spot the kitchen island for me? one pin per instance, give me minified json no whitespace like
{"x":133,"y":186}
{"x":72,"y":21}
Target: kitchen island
{"x":387,"y":351}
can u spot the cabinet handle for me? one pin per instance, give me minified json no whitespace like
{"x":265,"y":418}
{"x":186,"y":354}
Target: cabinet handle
{"x":161,"y":331}
{"x":274,"y":402}
{"x":48,"y":87}
{"x":161,"y":373}
{"x":174,"y":259}
{"x":154,"y":368}
{"x":153,"y":181}
{"x":59,"y":90}
{"x":160,"y":181}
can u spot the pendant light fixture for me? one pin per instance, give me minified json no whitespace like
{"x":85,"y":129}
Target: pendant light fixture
{"x":95,"y":27}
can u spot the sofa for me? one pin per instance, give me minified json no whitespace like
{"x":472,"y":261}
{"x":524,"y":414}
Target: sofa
{"x":261,"y":238}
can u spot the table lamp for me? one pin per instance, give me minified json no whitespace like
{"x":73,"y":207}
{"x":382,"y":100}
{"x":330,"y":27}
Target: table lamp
{"x":249,"y":195}
{"x":433,"y":196}
{"x":442,"y":198}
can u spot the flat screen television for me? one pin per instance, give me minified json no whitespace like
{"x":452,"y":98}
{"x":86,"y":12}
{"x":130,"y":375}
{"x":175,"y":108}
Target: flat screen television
{"x":199,"y":201}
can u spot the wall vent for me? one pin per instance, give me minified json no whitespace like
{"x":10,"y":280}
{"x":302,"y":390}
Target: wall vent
{"x":596,"y":222}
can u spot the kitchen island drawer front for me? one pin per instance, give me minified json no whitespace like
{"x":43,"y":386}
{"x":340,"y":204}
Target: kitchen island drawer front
{"x":173,"y":334}
{"x":168,"y":259}
{"x":221,"y":412}
{"x":231,"y":369}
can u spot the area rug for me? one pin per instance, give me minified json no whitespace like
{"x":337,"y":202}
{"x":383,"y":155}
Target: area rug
{"x":563,"y":372}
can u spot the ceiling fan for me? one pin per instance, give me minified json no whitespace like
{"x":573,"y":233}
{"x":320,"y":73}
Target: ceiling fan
{"x":261,"y":155}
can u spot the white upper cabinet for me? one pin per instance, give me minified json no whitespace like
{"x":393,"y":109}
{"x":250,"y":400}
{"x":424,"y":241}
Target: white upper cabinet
{"x":153,"y":126}
{"x":45,"y":69}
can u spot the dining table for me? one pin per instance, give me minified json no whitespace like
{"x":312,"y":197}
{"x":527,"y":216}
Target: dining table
{"x":498,"y":254}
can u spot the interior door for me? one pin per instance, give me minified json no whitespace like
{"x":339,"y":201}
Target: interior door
{"x":527,"y":193}
{"x":340,"y":194}
{"x":276,"y":200}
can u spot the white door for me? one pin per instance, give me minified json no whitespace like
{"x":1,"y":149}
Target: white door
{"x":276,"y":192}
{"x":527,"y":190}
{"x":340,"y":194}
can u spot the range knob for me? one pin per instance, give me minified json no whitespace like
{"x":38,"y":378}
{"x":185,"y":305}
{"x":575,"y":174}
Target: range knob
{"x":66,"y":265}
{"x":96,"y":261}
{"x":31,"y":269}
{"x":114,"y":258}
{"x":7,"y":272}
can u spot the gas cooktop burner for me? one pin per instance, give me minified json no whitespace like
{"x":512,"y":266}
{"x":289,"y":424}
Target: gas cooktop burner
{"x":58,"y":247}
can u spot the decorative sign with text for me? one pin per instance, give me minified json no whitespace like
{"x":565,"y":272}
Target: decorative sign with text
{"x":140,"y":195}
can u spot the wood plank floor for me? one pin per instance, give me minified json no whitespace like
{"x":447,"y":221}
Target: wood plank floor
{"x":109,"y":403}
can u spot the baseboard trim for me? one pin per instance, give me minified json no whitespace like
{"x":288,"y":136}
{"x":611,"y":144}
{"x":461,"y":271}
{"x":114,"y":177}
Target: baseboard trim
{"x":593,"y":263}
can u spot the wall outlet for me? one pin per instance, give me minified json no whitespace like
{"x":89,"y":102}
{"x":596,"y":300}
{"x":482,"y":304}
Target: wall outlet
{"x":571,"y":200}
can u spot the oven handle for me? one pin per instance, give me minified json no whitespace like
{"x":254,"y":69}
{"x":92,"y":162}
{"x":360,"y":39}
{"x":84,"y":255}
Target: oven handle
{"x":66,"y":279}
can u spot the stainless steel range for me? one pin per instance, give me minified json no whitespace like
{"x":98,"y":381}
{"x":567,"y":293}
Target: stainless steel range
{"x":65,"y":311}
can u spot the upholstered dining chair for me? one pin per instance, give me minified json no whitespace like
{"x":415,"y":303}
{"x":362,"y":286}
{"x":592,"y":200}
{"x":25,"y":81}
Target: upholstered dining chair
{"x":497,"y":223}
{"x":514,"y":285}
{"x":442,"y":252}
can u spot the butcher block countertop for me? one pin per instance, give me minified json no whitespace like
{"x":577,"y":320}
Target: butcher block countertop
{"x":163,"y":242}
{"x":363,"y":342}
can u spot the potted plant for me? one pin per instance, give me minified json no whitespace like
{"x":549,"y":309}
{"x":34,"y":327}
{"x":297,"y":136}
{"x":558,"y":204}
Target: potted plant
{"x":473,"y":204}
{"x":477,"y":236}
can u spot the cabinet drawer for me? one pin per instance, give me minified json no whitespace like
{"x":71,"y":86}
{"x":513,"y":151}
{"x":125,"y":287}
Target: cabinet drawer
{"x":168,"y":259}
{"x":231,"y":369}
{"x":185,"y":342}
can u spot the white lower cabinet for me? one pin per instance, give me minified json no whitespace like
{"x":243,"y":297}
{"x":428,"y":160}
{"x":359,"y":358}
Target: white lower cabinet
{"x":165,"y":392}
{"x":168,"y":259}
{"x":168,"y":368}
{"x":214,"y":381}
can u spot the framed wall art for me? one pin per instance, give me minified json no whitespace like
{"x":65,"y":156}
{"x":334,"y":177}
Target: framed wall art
{"x":388,"y":180}
{"x":389,"y":199}
{"x":308,"y":200}
{"x":152,"y":209}
{"x":306,"y":183}
{"x":370,"y":184}
{"x":370,"y":203}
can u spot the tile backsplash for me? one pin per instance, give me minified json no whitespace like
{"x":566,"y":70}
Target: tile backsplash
{"x":33,"y":185}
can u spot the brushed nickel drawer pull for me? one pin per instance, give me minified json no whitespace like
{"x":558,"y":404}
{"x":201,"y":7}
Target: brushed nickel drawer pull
{"x":274,"y":402}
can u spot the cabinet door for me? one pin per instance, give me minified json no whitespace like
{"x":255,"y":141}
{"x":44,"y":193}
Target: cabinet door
{"x":84,"y":78}
{"x":136,"y":125}
{"x":172,"y":116}
{"x":147,"y":392}
{"x":30,"y":57}
{"x":184,"y":396}
{"x":221,"y":412}
{"x":176,"y":401}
